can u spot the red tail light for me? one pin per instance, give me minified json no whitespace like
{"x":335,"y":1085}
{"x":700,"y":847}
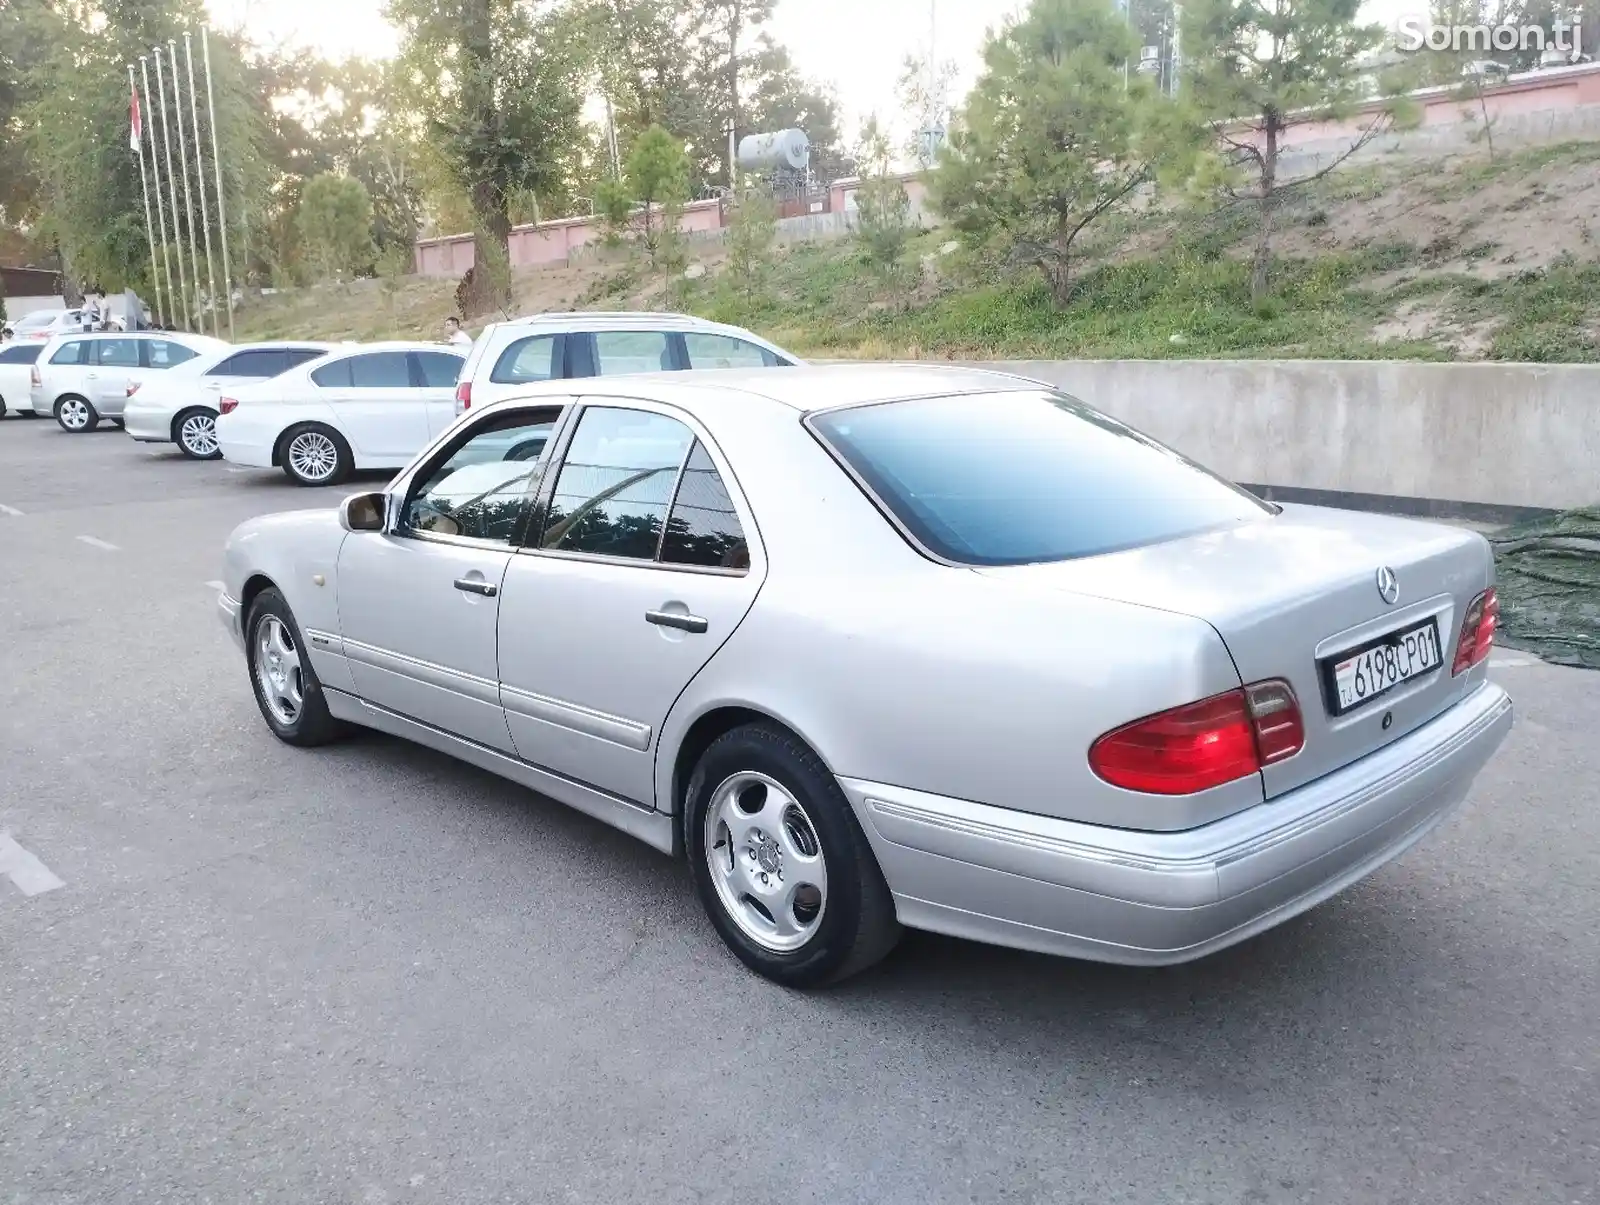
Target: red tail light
{"x":464,"y":395}
{"x":1477,"y":631}
{"x":227,"y":405}
{"x":1205,"y":744}
{"x":33,"y":377}
{"x":133,"y":387}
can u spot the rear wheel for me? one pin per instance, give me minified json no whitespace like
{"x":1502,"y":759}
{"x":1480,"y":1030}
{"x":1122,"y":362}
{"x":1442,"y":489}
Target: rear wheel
{"x":286,"y":687}
{"x":195,"y":433}
{"x":76,"y":415}
{"x":780,"y":862}
{"x":2,"y":407}
{"x":316,"y":455}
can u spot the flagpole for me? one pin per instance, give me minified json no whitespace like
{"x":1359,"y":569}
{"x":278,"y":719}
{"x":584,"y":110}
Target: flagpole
{"x":161,"y":207}
{"x":200,"y":176}
{"x":216,"y":163}
{"x":144,"y":183}
{"x":172,"y":186}
{"x":188,"y":193}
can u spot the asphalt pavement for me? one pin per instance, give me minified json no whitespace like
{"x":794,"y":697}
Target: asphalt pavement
{"x":231,"y":971}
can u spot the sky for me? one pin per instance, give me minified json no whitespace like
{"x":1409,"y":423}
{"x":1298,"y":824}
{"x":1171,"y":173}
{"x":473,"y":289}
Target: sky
{"x":855,"y":45}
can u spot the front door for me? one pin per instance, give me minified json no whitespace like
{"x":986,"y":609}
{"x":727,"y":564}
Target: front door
{"x":640,"y":572}
{"x":418,"y":605}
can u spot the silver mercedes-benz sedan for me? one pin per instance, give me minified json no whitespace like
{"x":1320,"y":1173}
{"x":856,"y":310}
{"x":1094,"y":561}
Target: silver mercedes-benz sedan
{"x":895,"y":645}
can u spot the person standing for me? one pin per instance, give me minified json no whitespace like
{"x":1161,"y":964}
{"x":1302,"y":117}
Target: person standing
{"x":454,"y":335}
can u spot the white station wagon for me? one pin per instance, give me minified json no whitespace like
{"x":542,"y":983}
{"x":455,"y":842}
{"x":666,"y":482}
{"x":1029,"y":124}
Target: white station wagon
{"x":885,"y":646}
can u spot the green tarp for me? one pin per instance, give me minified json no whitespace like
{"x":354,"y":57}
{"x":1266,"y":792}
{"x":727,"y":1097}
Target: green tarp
{"x":1549,"y":587}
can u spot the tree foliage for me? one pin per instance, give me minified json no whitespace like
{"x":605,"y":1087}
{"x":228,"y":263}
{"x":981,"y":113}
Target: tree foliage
{"x":1256,"y":69}
{"x":1050,"y":139}
{"x":335,"y":223}
{"x":751,"y":238}
{"x":658,"y":182}
{"x":883,"y":207}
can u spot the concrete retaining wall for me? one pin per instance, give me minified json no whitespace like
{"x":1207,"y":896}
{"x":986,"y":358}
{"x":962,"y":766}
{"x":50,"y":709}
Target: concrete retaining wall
{"x":1500,"y":437}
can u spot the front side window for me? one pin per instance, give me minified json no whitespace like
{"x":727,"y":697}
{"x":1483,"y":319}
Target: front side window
{"x":260,"y":364}
{"x":618,"y":352}
{"x":70,"y":353}
{"x":1015,"y":478}
{"x":528,"y":360}
{"x":439,"y":371}
{"x":164,"y":353}
{"x":704,"y":529}
{"x":616,"y":483}
{"x":723,"y":351}
{"x":380,"y":370}
{"x":480,"y":490}
{"x":333,"y":376}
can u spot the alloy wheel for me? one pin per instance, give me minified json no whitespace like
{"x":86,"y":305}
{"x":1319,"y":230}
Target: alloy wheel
{"x":766,"y":861}
{"x":74,"y":414}
{"x":278,"y":669}
{"x":313,"y":456}
{"x":198,"y":435}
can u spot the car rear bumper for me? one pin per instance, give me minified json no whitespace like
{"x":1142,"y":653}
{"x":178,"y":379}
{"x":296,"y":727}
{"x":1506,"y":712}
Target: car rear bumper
{"x":251,"y":455}
{"x":147,"y":425}
{"x":1113,"y":895}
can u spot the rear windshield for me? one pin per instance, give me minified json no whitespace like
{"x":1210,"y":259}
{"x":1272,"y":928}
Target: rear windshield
{"x":1014,"y":478}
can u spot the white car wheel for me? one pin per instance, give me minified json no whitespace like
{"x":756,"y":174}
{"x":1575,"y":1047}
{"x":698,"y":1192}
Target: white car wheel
{"x":76,"y":415}
{"x":196,"y":435}
{"x":315,"y":456}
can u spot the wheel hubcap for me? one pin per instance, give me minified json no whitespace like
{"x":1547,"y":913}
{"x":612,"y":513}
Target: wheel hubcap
{"x":74,"y":413}
{"x":766,"y":862}
{"x":199,"y":434}
{"x":278,"y":671}
{"x":313,"y":456}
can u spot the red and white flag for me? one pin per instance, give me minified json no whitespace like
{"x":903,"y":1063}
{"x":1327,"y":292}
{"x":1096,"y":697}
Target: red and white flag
{"x":136,"y":123}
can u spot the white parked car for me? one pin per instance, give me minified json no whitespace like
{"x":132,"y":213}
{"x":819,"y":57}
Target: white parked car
{"x":16,"y":377}
{"x":180,"y":406}
{"x":509,"y":356}
{"x":363,"y":406}
{"x":81,"y":379}
{"x":42,"y":325}
{"x":873,"y":646}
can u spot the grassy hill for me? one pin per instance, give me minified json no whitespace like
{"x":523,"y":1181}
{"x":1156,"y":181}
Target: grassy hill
{"x":1454,"y":258}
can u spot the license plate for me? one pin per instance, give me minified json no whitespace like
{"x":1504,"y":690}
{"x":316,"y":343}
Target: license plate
{"x":1362,"y":675}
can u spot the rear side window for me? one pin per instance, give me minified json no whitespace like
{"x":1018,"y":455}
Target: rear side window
{"x":333,"y":376}
{"x":25,"y":353}
{"x":296,"y":356}
{"x":724,"y":351}
{"x":617,"y":352}
{"x":70,"y":353}
{"x":118,"y":353}
{"x":439,"y":371}
{"x":536,"y":358}
{"x":164,"y":353}
{"x":703,"y":528}
{"x":1014,"y":478}
{"x":380,"y":370}
{"x":262,"y":363}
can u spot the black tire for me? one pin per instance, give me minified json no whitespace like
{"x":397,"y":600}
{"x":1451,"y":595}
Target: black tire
{"x":315,"y":724}
{"x":858,"y":926}
{"x":343,"y":461}
{"x":70,"y":403}
{"x":119,"y":424}
{"x":2,"y":407}
{"x":189,"y":425}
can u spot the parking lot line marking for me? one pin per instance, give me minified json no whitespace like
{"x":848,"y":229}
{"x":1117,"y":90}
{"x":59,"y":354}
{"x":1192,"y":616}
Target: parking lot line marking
{"x":216,"y":585}
{"x":31,"y":876}
{"x":1510,"y":662}
{"x":10,"y":510}
{"x":95,"y":542}
{"x":240,"y":468}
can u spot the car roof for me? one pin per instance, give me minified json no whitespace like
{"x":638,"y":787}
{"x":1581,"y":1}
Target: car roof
{"x":394,"y":345}
{"x":616,"y":319}
{"x":803,"y":389}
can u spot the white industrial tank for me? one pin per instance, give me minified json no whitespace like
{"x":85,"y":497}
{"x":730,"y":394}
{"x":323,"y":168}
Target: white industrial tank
{"x":784,"y":149}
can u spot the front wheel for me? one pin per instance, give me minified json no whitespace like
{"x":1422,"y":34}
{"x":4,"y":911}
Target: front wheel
{"x":780,"y":862}
{"x":76,"y":415}
{"x":195,"y":433}
{"x":286,"y":687}
{"x":316,"y":455}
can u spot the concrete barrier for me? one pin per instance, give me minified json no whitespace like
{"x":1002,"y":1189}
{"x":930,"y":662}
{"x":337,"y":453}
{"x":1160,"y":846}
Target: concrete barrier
{"x":1476,"y":440}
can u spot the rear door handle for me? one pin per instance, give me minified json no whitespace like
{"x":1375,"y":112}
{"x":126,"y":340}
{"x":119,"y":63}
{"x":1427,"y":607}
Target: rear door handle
{"x":672,"y":619}
{"x":475,"y":585}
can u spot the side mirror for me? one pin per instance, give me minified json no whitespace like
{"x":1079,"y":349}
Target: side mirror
{"x":363,"y":512}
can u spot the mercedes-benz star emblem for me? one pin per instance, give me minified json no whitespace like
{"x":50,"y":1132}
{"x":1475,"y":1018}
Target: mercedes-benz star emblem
{"x":1388,"y":585}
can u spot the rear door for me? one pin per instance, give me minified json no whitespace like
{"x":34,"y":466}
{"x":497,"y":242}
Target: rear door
{"x":621,"y":352}
{"x":381,"y":411}
{"x":116,"y":363}
{"x":703,"y":349}
{"x":435,"y":373}
{"x":641,"y":569}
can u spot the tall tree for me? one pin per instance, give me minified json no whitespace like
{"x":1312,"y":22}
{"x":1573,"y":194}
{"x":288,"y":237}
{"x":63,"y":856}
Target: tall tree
{"x":1257,"y":69}
{"x":503,"y":84}
{"x":335,"y":220}
{"x":1050,"y":139}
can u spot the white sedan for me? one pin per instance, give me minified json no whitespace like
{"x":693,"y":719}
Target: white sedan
{"x":366,"y":406}
{"x":894,"y":645}
{"x":180,"y":405}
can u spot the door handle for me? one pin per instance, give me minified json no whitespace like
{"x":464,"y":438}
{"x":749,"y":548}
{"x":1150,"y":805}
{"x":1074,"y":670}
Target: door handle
{"x":474,"y":585}
{"x":672,"y":619}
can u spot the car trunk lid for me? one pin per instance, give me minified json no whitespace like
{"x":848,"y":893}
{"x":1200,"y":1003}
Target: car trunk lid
{"x":1298,"y":590}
